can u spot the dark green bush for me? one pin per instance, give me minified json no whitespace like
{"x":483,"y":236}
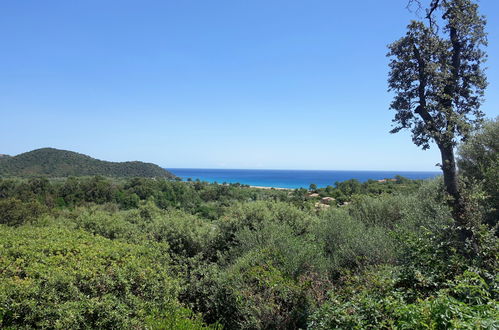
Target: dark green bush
{"x":478,"y":161}
{"x":292,"y":254}
{"x":466,"y":304}
{"x":186,"y":234}
{"x":14,"y":212}
{"x":254,"y":295}
{"x":266,"y":297}
{"x":349,"y":243}
{"x":383,"y":211}
{"x":177,"y":318}
{"x":112,"y":225}
{"x":253,"y":216}
{"x":373,"y":301}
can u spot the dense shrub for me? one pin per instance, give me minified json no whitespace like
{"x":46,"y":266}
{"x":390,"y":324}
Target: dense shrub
{"x":277,"y":243}
{"x":58,"y":278}
{"x":373,"y":301}
{"x":112,"y":225}
{"x":361,"y":301}
{"x":349,"y":243}
{"x":186,"y":234}
{"x":253,"y":216}
{"x":249,"y":294}
{"x":267,"y":298}
{"x":425,"y":207}
{"x":384,"y":211}
{"x":208,"y":292}
{"x":178,"y":318}
{"x":14,"y":212}
{"x":479,"y":162}
{"x":100,"y":253}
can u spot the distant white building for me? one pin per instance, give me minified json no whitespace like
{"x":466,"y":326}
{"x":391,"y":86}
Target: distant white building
{"x":327,"y":200}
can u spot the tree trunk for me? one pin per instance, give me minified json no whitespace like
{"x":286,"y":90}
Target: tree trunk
{"x":450,"y":172}
{"x":451,"y":186}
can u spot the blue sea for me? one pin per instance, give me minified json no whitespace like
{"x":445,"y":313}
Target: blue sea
{"x":290,"y":178}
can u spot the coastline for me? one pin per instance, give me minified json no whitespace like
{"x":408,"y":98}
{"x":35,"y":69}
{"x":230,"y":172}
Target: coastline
{"x":270,"y":188}
{"x":292,"y":179}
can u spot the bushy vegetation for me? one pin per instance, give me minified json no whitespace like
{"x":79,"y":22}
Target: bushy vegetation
{"x":479,"y":162}
{"x":53,"y":277}
{"x":50,"y":162}
{"x":97,"y":252}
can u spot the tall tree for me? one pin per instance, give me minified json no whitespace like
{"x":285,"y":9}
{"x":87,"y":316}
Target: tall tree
{"x":437,"y":76}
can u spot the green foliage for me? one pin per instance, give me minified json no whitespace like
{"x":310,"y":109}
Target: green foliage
{"x":478,"y":156}
{"x":437,"y":76}
{"x":479,"y":162}
{"x":467,"y":304}
{"x":186,"y":235}
{"x":58,"y":278}
{"x":349,"y":187}
{"x":250,"y":294}
{"x":49,"y":162}
{"x":14,"y":212}
{"x":146,"y":253}
{"x":425,"y":208}
{"x":346,"y":190}
{"x":255,"y":216}
{"x":266,"y":298}
{"x":349,"y":243}
{"x":429,"y":259}
{"x":294,"y":255}
{"x":112,"y":225}
{"x":177,"y":318}
{"x":374,"y":302}
{"x":208,"y":292}
{"x":362,"y":301}
{"x":385,"y":211}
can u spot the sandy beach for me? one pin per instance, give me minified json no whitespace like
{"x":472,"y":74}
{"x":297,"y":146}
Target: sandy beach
{"x":270,"y":188}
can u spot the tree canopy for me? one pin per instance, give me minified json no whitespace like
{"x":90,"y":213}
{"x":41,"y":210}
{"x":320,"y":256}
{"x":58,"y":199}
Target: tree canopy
{"x":439,"y":82}
{"x":437,"y":75}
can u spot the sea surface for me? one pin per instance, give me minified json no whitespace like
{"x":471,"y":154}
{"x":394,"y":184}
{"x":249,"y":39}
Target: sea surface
{"x":290,"y":178}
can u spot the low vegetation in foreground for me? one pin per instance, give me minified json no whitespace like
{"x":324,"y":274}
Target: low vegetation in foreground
{"x":152,"y":253}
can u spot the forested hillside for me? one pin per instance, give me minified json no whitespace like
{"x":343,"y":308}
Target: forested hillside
{"x":49,"y":162}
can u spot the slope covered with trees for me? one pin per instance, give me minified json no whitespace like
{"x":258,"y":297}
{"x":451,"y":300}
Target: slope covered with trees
{"x":49,"y":162}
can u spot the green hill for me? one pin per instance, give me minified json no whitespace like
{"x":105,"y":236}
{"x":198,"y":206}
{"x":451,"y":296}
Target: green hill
{"x":50,"y":162}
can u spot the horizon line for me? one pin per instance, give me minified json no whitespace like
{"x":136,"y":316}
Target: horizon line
{"x":281,"y":169}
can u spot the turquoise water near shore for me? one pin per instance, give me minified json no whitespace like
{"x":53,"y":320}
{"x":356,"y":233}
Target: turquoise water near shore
{"x":291,"y":178}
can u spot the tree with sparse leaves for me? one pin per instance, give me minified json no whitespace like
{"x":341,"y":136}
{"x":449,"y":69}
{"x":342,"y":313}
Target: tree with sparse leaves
{"x":438,"y":79}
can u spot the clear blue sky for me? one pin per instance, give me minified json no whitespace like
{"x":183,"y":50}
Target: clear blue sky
{"x":217,"y":84}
